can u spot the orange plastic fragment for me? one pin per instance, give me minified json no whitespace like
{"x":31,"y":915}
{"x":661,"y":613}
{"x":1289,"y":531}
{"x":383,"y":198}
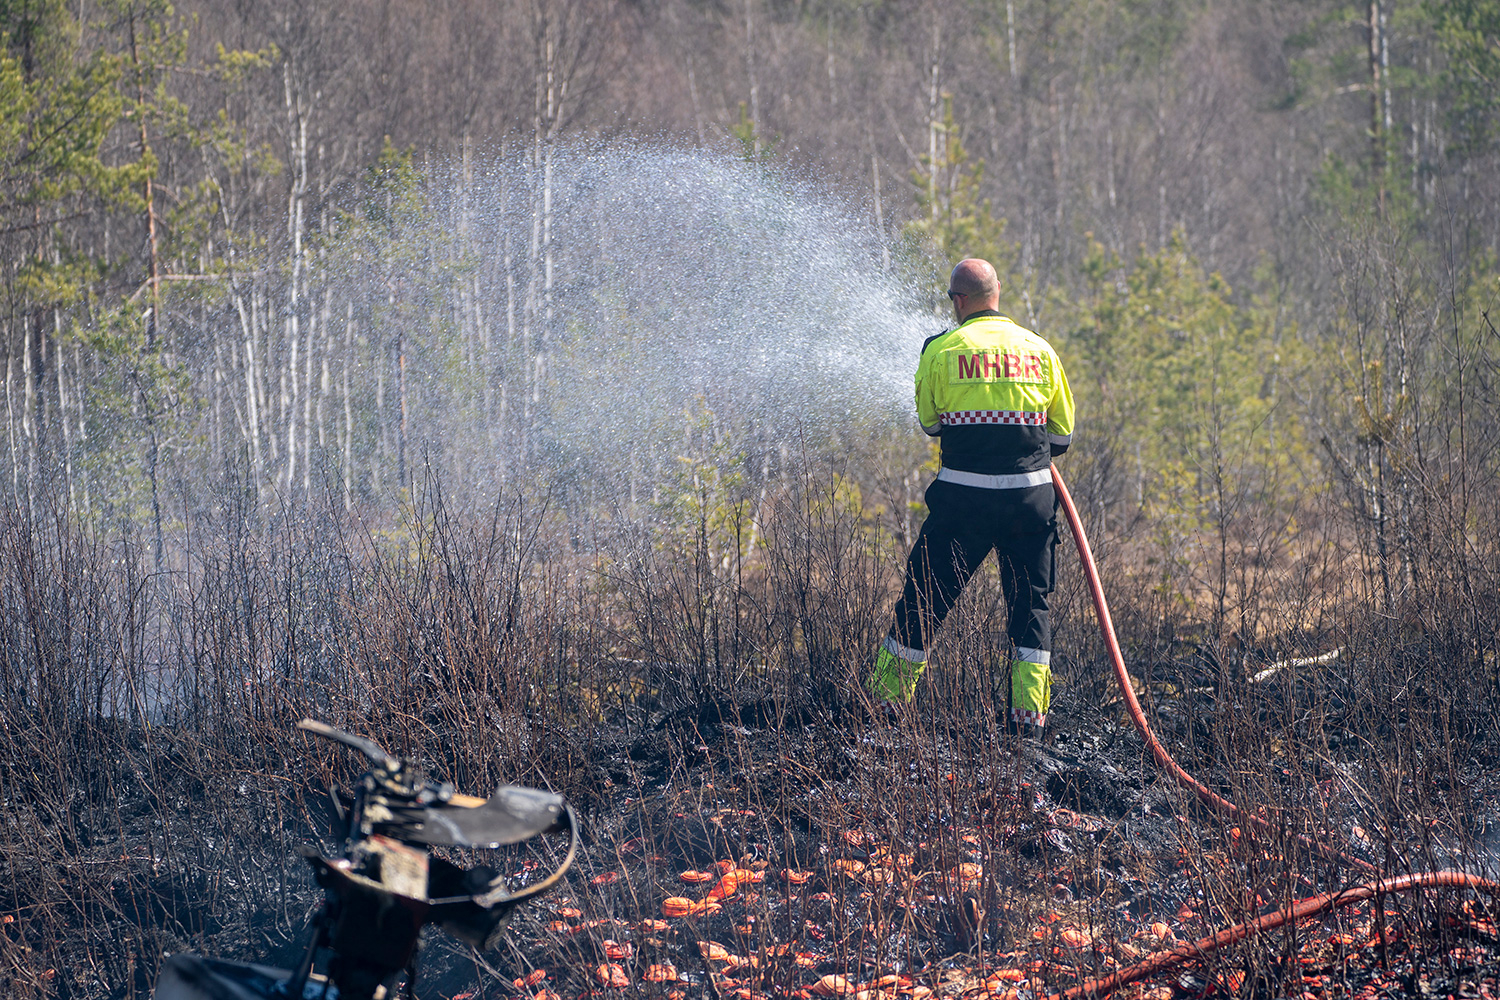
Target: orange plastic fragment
{"x":610,"y":974}
{"x":1074,"y":938}
{"x":725,"y":886}
{"x":677,"y":906}
{"x":833,"y":985}
{"x":660,"y":973}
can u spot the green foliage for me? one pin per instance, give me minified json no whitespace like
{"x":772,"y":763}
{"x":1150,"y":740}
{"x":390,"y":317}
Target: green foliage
{"x":754,"y":146}
{"x":1468,"y":32}
{"x":134,"y":391}
{"x":1179,"y":375}
{"x":955,"y":220}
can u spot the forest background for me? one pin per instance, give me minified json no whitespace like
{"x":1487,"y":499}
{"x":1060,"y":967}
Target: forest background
{"x":1263,"y":234}
{"x":285,"y":284}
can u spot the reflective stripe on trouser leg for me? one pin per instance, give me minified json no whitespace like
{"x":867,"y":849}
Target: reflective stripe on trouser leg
{"x":1030,"y":690}
{"x":894,"y":677}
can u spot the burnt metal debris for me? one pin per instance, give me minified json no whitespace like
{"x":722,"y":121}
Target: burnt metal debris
{"x":386,"y":886}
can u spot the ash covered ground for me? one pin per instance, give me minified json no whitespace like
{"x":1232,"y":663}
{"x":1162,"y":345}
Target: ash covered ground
{"x":754,"y":848}
{"x":740,"y":850}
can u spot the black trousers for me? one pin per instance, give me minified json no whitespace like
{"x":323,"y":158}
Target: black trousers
{"x":963,"y":525}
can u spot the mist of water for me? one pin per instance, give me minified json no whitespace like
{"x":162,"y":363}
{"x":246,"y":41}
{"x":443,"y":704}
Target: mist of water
{"x":633,"y":294}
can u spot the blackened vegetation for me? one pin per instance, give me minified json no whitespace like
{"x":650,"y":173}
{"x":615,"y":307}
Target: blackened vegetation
{"x":155,"y":789}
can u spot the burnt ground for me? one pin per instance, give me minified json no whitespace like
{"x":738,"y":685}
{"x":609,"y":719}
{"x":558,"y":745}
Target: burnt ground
{"x":816,"y":853}
{"x":904,"y":859}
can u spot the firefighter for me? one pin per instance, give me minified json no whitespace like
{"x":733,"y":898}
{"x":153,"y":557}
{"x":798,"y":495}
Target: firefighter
{"x":994,"y":394}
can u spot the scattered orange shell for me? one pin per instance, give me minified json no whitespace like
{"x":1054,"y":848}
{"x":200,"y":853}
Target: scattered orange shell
{"x":559,"y":927}
{"x":833,"y":985}
{"x":969,"y":870}
{"x":854,"y":837}
{"x":724,"y":866}
{"x":677,"y":906}
{"x":725,"y":886}
{"x":1163,"y":930}
{"x":660,"y":973}
{"x":1074,"y":938}
{"x":616,"y":951}
{"x":919,"y":992}
{"x":653,"y":926}
{"x":807,"y":959}
{"x":568,"y":913}
{"x":849,"y":866}
{"x":534,"y":977}
{"x":611,"y":975}
{"x":693,"y":875}
{"x":713,"y":951}
{"x":1008,"y":975}
{"x":606,"y":878}
{"x":1232,"y":980}
{"x":796,"y":878}
{"x":1185,"y":912}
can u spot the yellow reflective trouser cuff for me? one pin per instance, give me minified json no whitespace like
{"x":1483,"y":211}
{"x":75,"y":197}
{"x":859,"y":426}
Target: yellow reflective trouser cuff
{"x":893,"y":678}
{"x":1030,"y":691}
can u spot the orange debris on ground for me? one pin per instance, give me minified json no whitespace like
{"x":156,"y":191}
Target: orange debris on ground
{"x":660,"y":973}
{"x":611,"y":974}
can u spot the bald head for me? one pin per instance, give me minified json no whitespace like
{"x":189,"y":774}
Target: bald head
{"x":977,"y":282}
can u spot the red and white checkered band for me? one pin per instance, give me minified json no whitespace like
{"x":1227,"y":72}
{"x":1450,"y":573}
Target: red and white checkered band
{"x":995,"y":417}
{"x":1027,"y":715}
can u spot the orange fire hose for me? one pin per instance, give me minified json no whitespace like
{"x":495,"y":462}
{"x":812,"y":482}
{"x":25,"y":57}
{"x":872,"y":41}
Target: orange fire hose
{"x":1299,"y":910}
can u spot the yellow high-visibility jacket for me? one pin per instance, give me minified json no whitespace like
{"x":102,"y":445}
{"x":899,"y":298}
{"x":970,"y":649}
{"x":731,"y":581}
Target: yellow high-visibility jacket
{"x":996,"y":396}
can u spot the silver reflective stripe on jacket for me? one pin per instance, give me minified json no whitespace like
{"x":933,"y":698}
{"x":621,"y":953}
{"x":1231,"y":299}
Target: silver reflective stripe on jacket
{"x":1009,"y":481}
